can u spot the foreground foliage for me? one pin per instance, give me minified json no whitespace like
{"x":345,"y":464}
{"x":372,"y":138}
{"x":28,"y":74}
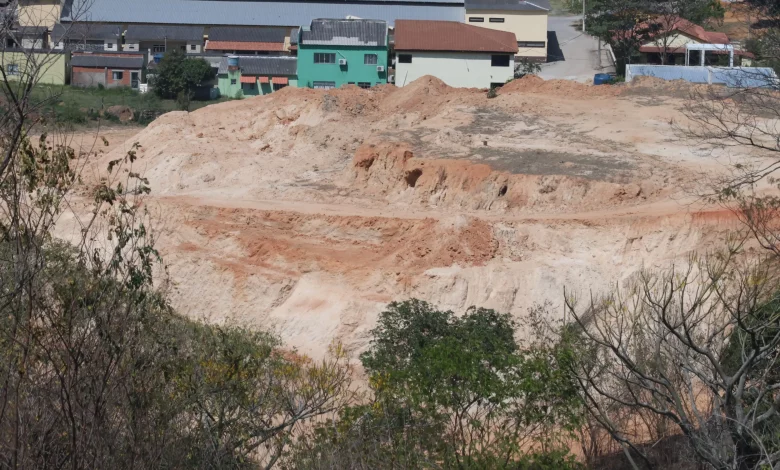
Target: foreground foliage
{"x":450,"y":392}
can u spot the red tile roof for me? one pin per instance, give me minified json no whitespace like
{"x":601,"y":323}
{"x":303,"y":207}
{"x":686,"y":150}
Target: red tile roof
{"x":279,"y":80}
{"x":244,"y":46}
{"x":451,"y":36}
{"x":669,"y":25}
{"x":263,"y":79}
{"x":248,"y":79}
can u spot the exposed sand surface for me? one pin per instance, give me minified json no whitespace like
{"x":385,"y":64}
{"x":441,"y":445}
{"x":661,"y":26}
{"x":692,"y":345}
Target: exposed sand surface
{"x":307,"y":211}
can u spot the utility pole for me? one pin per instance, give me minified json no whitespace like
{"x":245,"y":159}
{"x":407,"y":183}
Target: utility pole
{"x":583,"y":16}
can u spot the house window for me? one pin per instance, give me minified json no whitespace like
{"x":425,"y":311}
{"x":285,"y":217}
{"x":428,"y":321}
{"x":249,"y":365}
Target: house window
{"x":193,"y":47}
{"x":117,"y":75}
{"x":530,"y":43}
{"x":232,"y":81}
{"x":12,"y":69}
{"x":158,"y":48}
{"x":496,"y":20}
{"x":324,"y":85}
{"x":476,"y":19}
{"x":279,"y":86}
{"x":364,"y":85}
{"x":324,"y":58}
{"x":370,"y":59}
{"x":404,"y":58}
{"x":251,"y":86}
{"x":499,"y":61}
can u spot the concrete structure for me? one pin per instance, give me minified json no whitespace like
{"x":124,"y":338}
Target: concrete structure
{"x":733,"y":77}
{"x":154,"y":41}
{"x":258,"y":12}
{"x":26,"y":37}
{"x":527,"y":19}
{"x":86,"y":37}
{"x":49,"y":66}
{"x":111,"y":70}
{"x":41,"y":13}
{"x":248,"y":40}
{"x":459,"y":54}
{"x":255,"y":75}
{"x":332,"y":53}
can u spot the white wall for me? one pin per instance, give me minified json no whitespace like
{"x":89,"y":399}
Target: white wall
{"x":198,"y":46}
{"x":456,"y":69}
{"x":130,"y":47}
{"x":111,"y":45}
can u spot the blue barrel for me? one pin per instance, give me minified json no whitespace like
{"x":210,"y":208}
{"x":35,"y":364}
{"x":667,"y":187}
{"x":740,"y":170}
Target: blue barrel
{"x":232,"y":61}
{"x":602,"y":78}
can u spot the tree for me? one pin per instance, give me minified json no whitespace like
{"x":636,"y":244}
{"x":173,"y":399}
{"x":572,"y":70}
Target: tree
{"x":696,"y":348}
{"x":627,"y":24}
{"x":452,"y":392}
{"x":178,"y":76}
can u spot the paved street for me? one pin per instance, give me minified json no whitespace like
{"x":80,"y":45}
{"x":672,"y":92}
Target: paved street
{"x":573,"y":55}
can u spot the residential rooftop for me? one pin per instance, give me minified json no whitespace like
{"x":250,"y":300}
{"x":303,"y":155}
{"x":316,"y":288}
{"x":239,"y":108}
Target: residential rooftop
{"x":171,"y":33}
{"x":451,"y":36}
{"x":352,"y":32}
{"x":263,"y":65}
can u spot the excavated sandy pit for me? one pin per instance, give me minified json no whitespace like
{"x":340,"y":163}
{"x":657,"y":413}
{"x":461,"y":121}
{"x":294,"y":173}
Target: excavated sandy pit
{"x":307,"y":211}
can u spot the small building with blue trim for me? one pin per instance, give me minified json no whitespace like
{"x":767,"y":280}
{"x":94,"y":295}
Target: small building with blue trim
{"x":243,"y":76}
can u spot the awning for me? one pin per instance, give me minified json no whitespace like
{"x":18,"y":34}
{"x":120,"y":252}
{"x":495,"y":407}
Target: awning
{"x":248,"y":79}
{"x":279,"y":80}
{"x":263,"y":79}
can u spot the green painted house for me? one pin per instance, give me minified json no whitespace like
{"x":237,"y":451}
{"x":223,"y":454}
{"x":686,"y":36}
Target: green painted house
{"x":243,"y":76}
{"x":336,"y":52}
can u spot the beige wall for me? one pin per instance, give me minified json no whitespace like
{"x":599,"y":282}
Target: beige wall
{"x":673,"y":41}
{"x":39,"y":12}
{"x":49,"y":68}
{"x":527,"y":26}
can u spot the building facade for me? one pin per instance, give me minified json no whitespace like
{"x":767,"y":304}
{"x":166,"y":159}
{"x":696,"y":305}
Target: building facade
{"x":154,"y":41}
{"x":244,"y":76}
{"x":110,"y":70}
{"x":459,"y":54}
{"x":336,"y":52}
{"x":50,"y":66}
{"x":246,"y":40}
{"x":527,"y":19}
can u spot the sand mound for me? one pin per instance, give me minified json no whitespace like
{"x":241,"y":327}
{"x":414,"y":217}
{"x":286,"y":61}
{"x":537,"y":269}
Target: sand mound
{"x":309,"y":210}
{"x":565,"y":88}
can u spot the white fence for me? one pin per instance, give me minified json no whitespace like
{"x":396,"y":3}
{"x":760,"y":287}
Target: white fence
{"x":735,"y":77}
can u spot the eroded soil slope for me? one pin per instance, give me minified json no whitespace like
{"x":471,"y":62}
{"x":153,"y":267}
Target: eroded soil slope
{"x":308,"y":211}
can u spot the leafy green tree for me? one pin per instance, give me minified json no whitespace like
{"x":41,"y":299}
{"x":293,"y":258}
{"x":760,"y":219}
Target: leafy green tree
{"x":627,"y":24}
{"x":177,"y":76}
{"x":448,"y":391}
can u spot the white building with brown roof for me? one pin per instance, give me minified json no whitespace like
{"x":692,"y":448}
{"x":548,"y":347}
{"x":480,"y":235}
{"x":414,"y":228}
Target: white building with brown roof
{"x":460,"y":55}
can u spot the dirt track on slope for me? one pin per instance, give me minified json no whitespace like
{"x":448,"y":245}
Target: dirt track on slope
{"x":307,"y":211}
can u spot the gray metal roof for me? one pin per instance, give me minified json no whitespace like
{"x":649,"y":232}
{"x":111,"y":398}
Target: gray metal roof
{"x":254,"y":65}
{"x":138,"y":32}
{"x":519,"y":5}
{"x":83,"y":31}
{"x":257,"y":13}
{"x":357,"y":32}
{"x":294,"y":35}
{"x":248,"y":34}
{"x":101,"y":61}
